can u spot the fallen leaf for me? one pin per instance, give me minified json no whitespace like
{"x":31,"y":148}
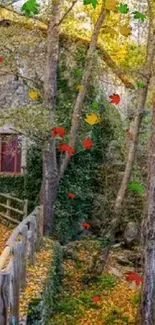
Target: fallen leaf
{"x":33,"y":94}
{"x":1,"y":59}
{"x":115,"y":99}
{"x":71,"y":195}
{"x":92,"y":119}
{"x":58,"y":130}
{"x":132,"y":276}
{"x":140,"y":84}
{"x":125,"y":30}
{"x":88,"y":143}
{"x":65,"y":147}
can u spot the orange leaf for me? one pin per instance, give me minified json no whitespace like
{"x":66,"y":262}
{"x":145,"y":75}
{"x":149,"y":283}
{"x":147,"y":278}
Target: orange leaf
{"x":58,"y":130}
{"x":115,"y":99}
{"x":87,"y":143}
{"x":71,"y":195}
{"x":65,"y":147}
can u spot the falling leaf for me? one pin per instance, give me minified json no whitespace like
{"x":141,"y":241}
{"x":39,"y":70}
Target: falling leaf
{"x":93,"y":2}
{"x":96,"y":298}
{"x":123,"y":9}
{"x":78,"y":72}
{"x":30,"y":6}
{"x":133,"y":186}
{"x":88,"y":143}
{"x":86,"y":225}
{"x":33,"y":94}
{"x":132,"y":276}
{"x":111,"y":5}
{"x":95,"y":104}
{"x":58,"y":130}
{"x":109,"y":30}
{"x":71,"y":195}
{"x":138,"y":15}
{"x":115,"y":99}
{"x":1,"y":59}
{"x":92,"y":119}
{"x":65,"y":147}
{"x":80,"y":87}
{"x":125,"y":30}
{"x":140,"y":84}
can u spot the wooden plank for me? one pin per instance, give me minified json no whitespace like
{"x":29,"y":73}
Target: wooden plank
{"x":11,"y":197}
{"x":4,"y":297}
{"x":9,"y":218}
{"x":5,"y":254}
{"x":32,"y":240}
{"x":23,"y":256}
{"x":11,"y":208}
{"x":14,"y":306}
{"x":19,"y":228}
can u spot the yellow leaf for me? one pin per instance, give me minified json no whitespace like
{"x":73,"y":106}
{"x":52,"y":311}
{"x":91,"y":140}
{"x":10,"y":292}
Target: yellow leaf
{"x":92,"y":118}
{"x":33,"y":94}
{"x":125,"y":30}
{"x":79,"y":87}
{"x":109,"y":30}
{"x":111,"y":5}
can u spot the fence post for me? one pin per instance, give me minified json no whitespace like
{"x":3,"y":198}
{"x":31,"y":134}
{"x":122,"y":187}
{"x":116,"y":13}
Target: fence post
{"x":14,"y":306}
{"x":4,"y":297}
{"x":31,"y":238}
{"x":8,"y":203}
{"x":25,"y":208}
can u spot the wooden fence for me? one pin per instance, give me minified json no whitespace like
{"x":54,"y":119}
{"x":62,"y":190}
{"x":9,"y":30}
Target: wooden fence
{"x":20,"y":247}
{"x":9,"y":208}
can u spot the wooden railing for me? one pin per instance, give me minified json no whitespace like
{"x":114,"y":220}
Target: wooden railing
{"x":9,"y":208}
{"x":20,"y":247}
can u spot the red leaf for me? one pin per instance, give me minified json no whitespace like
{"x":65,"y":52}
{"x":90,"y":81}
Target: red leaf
{"x":86,"y":225}
{"x":65,"y":147}
{"x":96,"y":298}
{"x":1,"y":59}
{"x":115,"y":99}
{"x":71,"y":195}
{"x":132,"y":276}
{"x":58,"y":130}
{"x":88,"y":143}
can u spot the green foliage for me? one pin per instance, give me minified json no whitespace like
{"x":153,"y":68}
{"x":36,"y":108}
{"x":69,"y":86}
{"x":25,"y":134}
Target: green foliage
{"x":30,"y":6}
{"x":123,"y":8}
{"x":133,"y":186}
{"x":53,"y":286}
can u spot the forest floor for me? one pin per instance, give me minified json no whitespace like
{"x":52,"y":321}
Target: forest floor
{"x":108,"y":300}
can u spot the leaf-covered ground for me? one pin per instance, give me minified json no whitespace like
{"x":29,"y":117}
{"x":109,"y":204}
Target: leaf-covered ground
{"x":5,"y":232}
{"x":36,"y":276}
{"x":117,"y":302}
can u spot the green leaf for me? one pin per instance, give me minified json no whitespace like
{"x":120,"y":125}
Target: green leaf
{"x":93,"y":2}
{"x":133,"y":186}
{"x":95,"y":104}
{"x":30,"y":6}
{"x":138,"y":15}
{"x":140,"y":84}
{"x":123,"y":9}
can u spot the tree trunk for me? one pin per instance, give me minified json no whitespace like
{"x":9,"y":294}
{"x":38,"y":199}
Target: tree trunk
{"x":50,"y":170}
{"x":147,"y":312}
{"x":84,"y":83}
{"x":50,"y":186}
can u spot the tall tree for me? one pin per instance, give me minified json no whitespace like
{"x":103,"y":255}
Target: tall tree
{"x":146,"y":72}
